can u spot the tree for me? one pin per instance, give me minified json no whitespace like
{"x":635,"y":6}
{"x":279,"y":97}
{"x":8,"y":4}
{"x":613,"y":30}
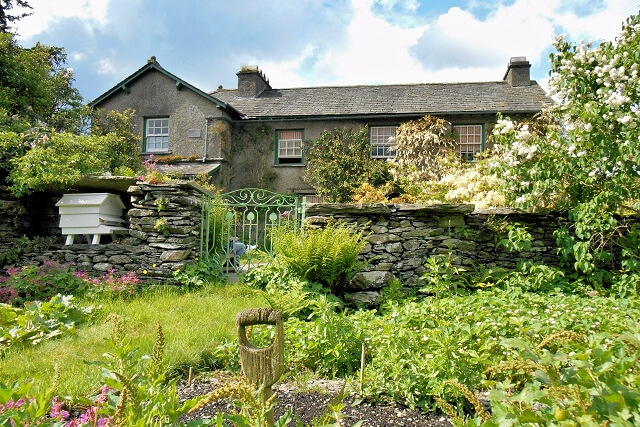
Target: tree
{"x":583,"y":154}
{"x":7,"y":19}
{"x":124,"y":150}
{"x":339,"y":161}
{"x":421,"y":145}
{"x":60,"y":160}
{"x":35,"y":83}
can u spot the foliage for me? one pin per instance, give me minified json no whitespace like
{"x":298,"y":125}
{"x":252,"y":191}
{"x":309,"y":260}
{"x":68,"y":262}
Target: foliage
{"x":328,"y":344}
{"x":514,"y":236}
{"x":56,"y":162}
{"x":572,"y":380}
{"x":582,"y":154}
{"x":6,"y":19}
{"x":37,"y":84}
{"x":109,"y":284}
{"x":339,"y":161}
{"x":328,"y":256}
{"x":162,"y":226}
{"x":23,"y":246}
{"x":442,"y":276}
{"x":205,"y":270}
{"x":19,"y":406}
{"x":285,"y":291}
{"x":38,"y":321}
{"x":421,"y":146}
{"x":125,"y":149}
{"x":152,"y":174}
{"x":33,"y":282}
{"x":144,"y":396}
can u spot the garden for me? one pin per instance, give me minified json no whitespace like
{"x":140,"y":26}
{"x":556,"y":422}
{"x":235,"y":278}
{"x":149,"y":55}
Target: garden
{"x":540,"y":344}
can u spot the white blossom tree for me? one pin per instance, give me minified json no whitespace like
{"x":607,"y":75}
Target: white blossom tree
{"x":583,"y":154}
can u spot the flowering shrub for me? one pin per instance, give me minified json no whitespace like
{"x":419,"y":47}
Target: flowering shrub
{"x":111,"y":284}
{"x":583,"y":154}
{"x":420,"y":146}
{"x":151,"y":173}
{"x":32,"y":282}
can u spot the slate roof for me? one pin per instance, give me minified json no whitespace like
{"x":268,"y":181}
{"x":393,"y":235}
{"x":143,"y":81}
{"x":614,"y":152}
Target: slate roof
{"x":381,"y":100}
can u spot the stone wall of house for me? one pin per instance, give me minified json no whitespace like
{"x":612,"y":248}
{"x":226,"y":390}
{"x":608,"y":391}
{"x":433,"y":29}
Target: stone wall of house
{"x":401,"y":237}
{"x":153,"y":252}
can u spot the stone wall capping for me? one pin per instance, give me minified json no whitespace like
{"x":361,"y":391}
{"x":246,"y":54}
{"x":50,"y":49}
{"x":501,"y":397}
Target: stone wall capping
{"x":514,"y":211}
{"x":442,"y":208}
{"x":348,"y":208}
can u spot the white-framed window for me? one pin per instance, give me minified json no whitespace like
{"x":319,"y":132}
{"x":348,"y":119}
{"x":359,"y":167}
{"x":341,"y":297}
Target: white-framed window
{"x":470,"y":140}
{"x":289,"y":147}
{"x":382,"y":141}
{"x":157,"y":135}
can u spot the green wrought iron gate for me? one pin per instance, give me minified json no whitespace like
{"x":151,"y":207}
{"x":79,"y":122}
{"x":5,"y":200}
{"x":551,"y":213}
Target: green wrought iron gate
{"x":245,"y":216}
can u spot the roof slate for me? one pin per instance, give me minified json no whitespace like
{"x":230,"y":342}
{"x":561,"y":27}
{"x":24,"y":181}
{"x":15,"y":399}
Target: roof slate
{"x":405,"y":99}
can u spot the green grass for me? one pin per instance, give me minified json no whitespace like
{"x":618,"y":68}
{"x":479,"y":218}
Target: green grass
{"x":193,"y":324}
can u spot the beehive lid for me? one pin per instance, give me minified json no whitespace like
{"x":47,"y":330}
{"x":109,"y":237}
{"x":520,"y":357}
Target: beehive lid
{"x":90,"y":199}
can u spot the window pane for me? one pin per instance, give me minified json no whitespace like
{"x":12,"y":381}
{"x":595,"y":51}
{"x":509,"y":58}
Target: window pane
{"x":157,"y":136}
{"x":289,"y":146}
{"x":382,"y":141}
{"x":469,"y":138}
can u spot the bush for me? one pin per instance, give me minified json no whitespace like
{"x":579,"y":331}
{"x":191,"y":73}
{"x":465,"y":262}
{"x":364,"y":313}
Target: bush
{"x":340,"y":161}
{"x":32,"y":282}
{"x":328,"y":256}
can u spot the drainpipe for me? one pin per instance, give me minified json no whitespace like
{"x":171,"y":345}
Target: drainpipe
{"x":206,"y":139}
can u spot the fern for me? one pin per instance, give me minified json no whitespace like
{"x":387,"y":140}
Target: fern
{"x":328,"y":256}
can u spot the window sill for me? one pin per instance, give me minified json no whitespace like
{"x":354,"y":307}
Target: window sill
{"x":289,"y":165}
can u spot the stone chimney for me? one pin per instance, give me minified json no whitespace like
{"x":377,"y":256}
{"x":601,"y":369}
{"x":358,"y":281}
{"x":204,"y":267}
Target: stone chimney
{"x":518,"y":72}
{"x":251,"y":81}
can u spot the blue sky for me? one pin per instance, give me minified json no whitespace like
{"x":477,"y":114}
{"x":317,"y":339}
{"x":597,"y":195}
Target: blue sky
{"x":299,"y":43}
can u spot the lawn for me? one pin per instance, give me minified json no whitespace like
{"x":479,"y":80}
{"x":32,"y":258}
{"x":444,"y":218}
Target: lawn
{"x":193,"y":323}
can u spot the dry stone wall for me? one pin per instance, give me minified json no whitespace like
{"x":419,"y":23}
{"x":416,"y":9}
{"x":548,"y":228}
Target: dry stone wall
{"x":402,"y":237}
{"x":153,"y":252}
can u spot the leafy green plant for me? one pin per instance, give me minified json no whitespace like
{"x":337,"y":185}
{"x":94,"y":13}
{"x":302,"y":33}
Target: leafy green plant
{"x":33,"y":282}
{"x":571,"y":380}
{"x":339,"y":161}
{"x":582,"y":155}
{"x":162,"y":226}
{"x":58,"y":160}
{"x":41,"y":320}
{"x":514,"y":237}
{"x":328,"y":256}
{"x":161,"y":203}
{"x":205,"y":270}
{"x":442,"y":276}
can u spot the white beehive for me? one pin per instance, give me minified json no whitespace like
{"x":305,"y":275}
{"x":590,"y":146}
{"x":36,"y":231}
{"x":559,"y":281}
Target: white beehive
{"x":90,"y":215}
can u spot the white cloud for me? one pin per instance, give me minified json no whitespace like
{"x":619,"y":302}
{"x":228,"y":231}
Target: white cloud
{"x":460,"y":41}
{"x":374,"y":51}
{"x":106,"y":66}
{"x":47,"y":12}
{"x":604,"y":24}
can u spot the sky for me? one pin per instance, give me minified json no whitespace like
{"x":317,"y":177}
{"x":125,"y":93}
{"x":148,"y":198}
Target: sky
{"x":302,"y":43}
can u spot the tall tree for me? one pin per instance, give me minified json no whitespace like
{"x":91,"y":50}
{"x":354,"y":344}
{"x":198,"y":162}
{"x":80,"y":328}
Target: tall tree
{"x":583,"y":155}
{"x":35,"y":83}
{"x":7,"y":19}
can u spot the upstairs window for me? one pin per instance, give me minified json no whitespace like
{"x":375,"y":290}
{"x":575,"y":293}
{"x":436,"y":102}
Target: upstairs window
{"x":289,"y":147}
{"x":157,"y":135}
{"x":382,"y":142}
{"x":470,"y":140}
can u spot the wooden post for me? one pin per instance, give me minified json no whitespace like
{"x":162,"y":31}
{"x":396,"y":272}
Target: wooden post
{"x":262,"y":366}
